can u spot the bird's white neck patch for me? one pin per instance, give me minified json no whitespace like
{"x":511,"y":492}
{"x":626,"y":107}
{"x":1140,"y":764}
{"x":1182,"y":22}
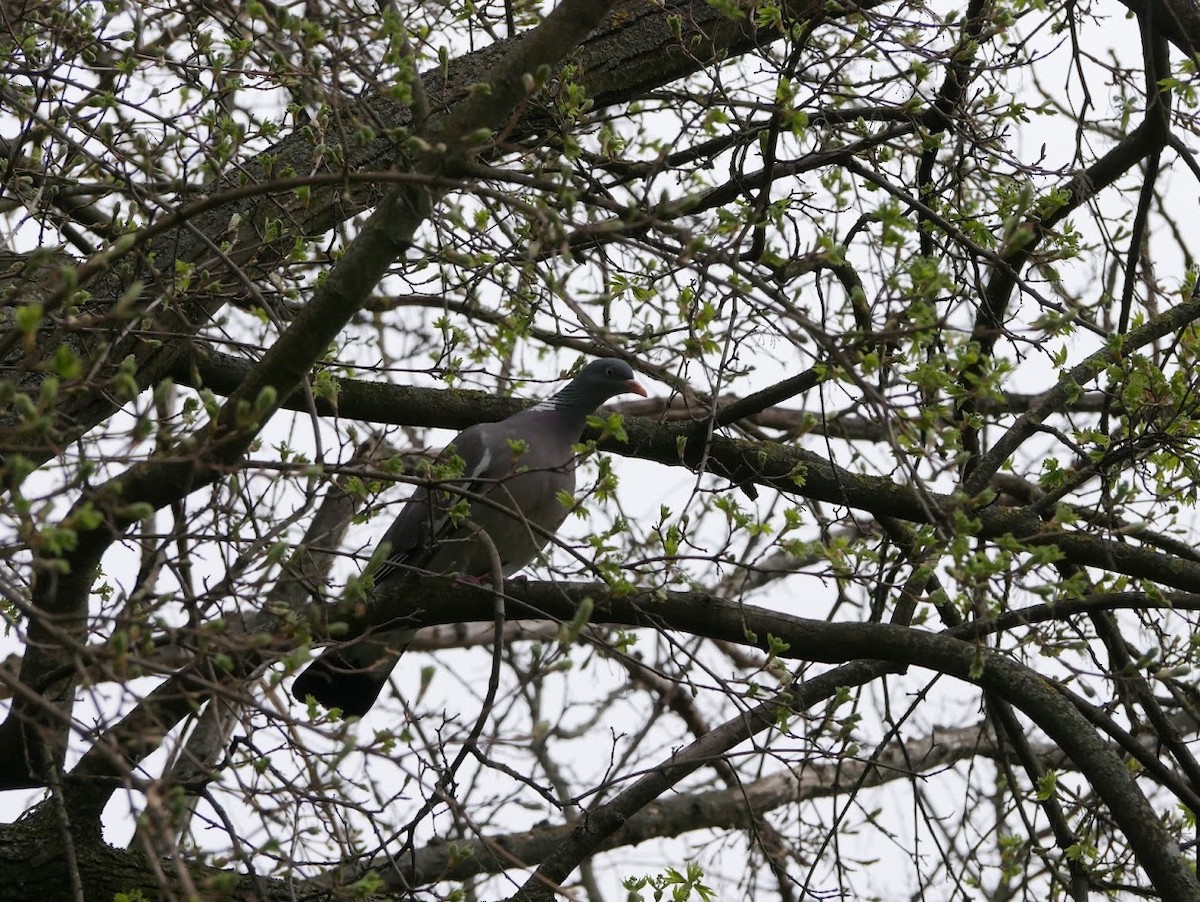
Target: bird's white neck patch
{"x":482,"y":465}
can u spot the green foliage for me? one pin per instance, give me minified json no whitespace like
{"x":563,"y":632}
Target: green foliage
{"x":1047,"y":787}
{"x":568,"y":633}
{"x":672,"y":884}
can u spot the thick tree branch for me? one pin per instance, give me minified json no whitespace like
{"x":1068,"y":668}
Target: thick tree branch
{"x":1176,"y":20}
{"x":797,"y":471}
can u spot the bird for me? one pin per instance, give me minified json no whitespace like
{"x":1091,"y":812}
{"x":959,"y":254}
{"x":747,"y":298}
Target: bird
{"x":515,"y":475}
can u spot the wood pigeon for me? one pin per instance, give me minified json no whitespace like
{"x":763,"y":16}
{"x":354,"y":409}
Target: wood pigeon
{"x":522,"y":465}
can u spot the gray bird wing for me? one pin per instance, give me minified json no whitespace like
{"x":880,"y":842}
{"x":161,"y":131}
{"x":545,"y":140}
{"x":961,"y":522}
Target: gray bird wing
{"x":428,"y":517}
{"x":515,"y":477}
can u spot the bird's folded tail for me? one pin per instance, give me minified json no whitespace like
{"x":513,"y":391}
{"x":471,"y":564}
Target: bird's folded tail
{"x":351,"y":678}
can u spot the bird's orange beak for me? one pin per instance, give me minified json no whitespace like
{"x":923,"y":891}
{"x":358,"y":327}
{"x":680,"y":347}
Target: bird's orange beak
{"x":636,"y":387}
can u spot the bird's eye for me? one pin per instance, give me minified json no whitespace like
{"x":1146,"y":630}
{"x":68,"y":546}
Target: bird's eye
{"x":609,"y":372}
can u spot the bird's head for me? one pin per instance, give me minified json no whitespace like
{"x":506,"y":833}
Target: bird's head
{"x":604,"y":378}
